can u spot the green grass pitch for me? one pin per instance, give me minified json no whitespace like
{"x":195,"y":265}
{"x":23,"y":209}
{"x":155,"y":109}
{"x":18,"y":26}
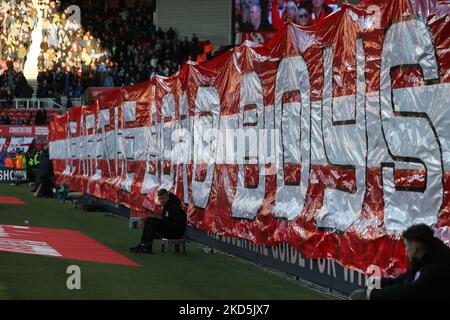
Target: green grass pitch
{"x":195,"y":275}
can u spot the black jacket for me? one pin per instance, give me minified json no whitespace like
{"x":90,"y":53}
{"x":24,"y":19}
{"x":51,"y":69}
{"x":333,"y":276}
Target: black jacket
{"x":173,"y":212}
{"x":429,"y":278}
{"x":46,"y":166}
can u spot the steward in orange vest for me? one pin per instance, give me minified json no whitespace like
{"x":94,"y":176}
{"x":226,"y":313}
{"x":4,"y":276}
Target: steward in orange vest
{"x":9,"y":162}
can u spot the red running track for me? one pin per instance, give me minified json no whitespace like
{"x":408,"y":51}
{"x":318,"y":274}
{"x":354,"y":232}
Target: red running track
{"x":58,"y":243}
{"x":11,"y":200}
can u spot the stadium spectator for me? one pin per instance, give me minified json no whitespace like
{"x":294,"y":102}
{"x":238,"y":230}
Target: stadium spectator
{"x":13,"y":84}
{"x":278,"y":13}
{"x":303,"y":16}
{"x":428,"y":277}
{"x":41,"y":118}
{"x":2,"y":160}
{"x":20,"y":160}
{"x":9,"y":163}
{"x":171,"y":224}
{"x":33,"y":168}
{"x":21,"y":87}
{"x":69,"y":104}
{"x":319,"y":11}
{"x":257,"y":21}
{"x":4,"y":120}
{"x":29,"y":156}
{"x":45,"y":175}
{"x":291,"y":12}
{"x":243,"y":19}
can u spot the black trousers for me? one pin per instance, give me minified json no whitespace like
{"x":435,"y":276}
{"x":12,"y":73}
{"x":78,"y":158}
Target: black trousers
{"x":46,"y":187}
{"x":155,"y":228}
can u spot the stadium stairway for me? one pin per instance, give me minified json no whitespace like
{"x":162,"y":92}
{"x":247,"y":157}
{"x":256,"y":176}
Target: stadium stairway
{"x":31,"y":64}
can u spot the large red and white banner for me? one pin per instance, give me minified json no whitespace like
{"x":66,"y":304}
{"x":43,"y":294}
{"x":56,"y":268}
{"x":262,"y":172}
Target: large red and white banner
{"x":333,"y":138}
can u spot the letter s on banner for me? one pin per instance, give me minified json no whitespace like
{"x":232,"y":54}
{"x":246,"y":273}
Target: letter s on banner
{"x":408,"y":129}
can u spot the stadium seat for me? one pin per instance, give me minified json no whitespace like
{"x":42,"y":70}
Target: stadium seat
{"x":173,"y":243}
{"x":75,"y":197}
{"x":135,"y":222}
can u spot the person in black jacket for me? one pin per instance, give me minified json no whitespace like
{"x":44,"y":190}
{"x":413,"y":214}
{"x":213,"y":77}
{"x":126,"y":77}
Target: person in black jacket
{"x":171,"y":224}
{"x":45,"y":175}
{"x":428,"y":277}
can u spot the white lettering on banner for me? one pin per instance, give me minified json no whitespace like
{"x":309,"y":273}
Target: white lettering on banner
{"x":61,"y":149}
{"x":151,"y":177}
{"x":20,"y":130}
{"x":292,"y":119}
{"x":98,"y":148}
{"x":73,"y":125}
{"x":206,"y":117}
{"x":286,"y":254}
{"x":409,"y":130}
{"x":128,"y":141}
{"x":119,"y":150}
{"x":182,"y":145}
{"x":345,"y":144}
{"x":404,"y":128}
{"x":7,"y":175}
{"x":251,"y":102}
{"x":101,"y":147}
{"x":90,"y":125}
{"x":82,"y":146}
{"x":41,"y":131}
{"x":167,"y":127}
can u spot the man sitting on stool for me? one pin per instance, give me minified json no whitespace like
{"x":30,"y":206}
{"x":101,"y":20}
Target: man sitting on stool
{"x":171,"y":225}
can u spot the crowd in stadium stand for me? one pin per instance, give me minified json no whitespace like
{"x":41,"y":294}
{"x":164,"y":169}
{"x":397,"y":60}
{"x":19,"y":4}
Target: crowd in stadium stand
{"x":124,"y":49}
{"x":266,"y":15}
{"x":19,"y":18}
{"x":13,"y":85}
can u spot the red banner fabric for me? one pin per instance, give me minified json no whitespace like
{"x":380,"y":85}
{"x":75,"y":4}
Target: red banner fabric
{"x":333,"y":138}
